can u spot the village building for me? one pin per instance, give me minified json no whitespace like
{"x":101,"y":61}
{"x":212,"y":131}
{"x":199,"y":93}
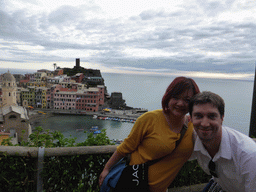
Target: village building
{"x":90,"y":99}
{"x":65,"y":98}
{"x":116,"y":100}
{"x":14,"y":119}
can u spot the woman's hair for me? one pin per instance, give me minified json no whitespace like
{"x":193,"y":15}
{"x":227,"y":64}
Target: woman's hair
{"x":177,"y":87}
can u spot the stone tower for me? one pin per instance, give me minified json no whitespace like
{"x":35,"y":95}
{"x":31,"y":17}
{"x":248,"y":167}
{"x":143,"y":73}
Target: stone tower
{"x":14,"y":119}
{"x":9,"y":89}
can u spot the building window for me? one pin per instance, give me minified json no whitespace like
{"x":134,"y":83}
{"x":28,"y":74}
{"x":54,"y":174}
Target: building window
{"x":12,"y":117}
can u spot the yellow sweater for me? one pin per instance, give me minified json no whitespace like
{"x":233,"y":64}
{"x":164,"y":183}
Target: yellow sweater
{"x":151,"y":138}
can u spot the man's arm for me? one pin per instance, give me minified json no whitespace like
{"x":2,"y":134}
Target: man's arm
{"x":248,"y":171}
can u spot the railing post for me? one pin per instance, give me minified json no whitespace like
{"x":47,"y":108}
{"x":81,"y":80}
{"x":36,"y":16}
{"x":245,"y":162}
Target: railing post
{"x":40,"y":165}
{"x":252,"y":131}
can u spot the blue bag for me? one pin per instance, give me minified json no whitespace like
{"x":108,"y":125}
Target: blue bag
{"x":123,"y":176}
{"x":112,"y":178}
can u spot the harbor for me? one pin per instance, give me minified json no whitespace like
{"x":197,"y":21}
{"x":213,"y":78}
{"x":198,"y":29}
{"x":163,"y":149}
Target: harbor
{"x":78,"y":124}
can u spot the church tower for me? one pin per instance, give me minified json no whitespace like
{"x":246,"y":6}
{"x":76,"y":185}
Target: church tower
{"x":9,"y":89}
{"x":14,"y":119}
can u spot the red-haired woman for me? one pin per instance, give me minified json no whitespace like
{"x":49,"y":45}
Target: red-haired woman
{"x":155,"y":133}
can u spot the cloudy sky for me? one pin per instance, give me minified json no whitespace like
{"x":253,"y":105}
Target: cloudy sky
{"x":213,"y":38}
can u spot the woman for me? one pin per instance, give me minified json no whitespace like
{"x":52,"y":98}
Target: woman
{"x":155,"y":133}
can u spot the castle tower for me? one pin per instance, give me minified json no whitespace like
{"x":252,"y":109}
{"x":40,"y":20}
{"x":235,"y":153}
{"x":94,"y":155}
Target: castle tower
{"x":9,"y":89}
{"x":77,"y":62}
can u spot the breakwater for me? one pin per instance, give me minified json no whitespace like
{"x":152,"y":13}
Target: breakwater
{"x":116,"y":115}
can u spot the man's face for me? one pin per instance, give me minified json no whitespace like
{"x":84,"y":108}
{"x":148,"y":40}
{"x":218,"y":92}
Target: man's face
{"x":207,"y":122}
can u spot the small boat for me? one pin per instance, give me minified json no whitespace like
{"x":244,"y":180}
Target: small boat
{"x":97,"y":132}
{"x":117,"y":141}
{"x":94,"y":128}
{"x":79,"y":130}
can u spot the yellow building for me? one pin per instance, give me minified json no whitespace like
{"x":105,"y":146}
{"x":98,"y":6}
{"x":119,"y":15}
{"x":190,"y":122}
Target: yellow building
{"x":3,"y":136}
{"x":29,"y":95}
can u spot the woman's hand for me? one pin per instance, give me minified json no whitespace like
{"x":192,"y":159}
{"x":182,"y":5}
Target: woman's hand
{"x":111,"y":162}
{"x":103,"y":174}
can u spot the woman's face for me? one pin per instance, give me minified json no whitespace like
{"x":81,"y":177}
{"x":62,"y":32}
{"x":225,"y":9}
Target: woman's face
{"x":178,"y":106}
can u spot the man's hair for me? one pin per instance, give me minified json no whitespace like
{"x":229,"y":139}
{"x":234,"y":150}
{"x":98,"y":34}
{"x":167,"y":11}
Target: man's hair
{"x":207,"y":97}
{"x":177,"y":87}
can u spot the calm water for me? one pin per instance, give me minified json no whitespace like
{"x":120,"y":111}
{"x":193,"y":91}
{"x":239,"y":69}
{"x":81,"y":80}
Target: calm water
{"x":68,"y":126}
{"x":146,"y":92}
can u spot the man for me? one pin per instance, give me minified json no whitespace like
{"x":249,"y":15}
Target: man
{"x":228,"y":155}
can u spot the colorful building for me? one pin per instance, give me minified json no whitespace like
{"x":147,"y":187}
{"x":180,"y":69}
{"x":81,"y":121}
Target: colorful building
{"x":40,"y":97}
{"x":90,"y":99}
{"x":78,"y":77}
{"x":65,"y":99}
{"x":28,"y":94}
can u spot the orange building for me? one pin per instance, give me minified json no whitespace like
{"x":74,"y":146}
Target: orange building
{"x":3,"y":136}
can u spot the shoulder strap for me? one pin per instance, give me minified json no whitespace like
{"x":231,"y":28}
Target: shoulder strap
{"x":182,"y":133}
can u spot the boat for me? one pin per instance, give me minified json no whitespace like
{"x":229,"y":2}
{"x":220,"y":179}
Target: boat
{"x":79,"y":130}
{"x":117,"y":141}
{"x":41,"y":112}
{"x":95,"y":130}
{"x":106,"y":110}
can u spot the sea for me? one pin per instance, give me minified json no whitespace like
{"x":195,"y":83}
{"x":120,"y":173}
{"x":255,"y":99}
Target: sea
{"x":146,"y":91}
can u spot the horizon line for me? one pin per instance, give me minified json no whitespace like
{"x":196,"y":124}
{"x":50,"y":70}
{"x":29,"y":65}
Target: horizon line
{"x":191,"y":74}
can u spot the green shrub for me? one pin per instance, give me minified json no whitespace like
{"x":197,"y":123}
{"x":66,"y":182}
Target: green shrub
{"x":190,"y":174}
{"x":70,"y":173}
{"x":60,"y":173}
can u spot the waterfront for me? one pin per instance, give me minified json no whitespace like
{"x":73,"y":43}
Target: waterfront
{"x":144,"y":91}
{"x":75,"y":125}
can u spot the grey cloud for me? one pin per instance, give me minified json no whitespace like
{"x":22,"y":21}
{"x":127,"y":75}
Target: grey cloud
{"x":64,"y":14}
{"x":151,"y":14}
{"x":213,"y":8}
{"x":18,"y":26}
{"x":149,"y":30}
{"x":171,"y":64}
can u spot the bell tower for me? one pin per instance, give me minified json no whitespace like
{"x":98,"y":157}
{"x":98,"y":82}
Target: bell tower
{"x":9,"y":89}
